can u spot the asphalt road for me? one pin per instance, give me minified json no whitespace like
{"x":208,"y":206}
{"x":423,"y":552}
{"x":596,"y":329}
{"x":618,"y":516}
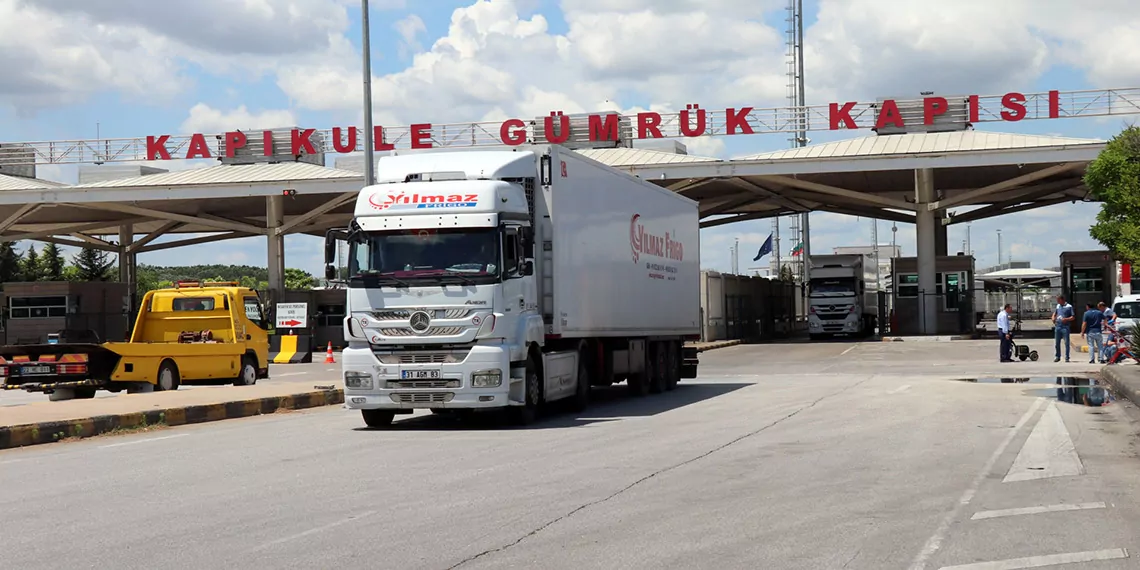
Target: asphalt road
{"x":302,"y":374}
{"x":780,"y":456}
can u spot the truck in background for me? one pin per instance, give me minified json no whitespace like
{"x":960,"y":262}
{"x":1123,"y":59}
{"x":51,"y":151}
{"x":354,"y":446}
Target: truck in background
{"x":838,"y":299}
{"x":509,"y":279}
{"x":193,"y":331}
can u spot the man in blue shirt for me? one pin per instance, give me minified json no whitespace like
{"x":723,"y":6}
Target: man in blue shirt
{"x":1063,"y":316}
{"x":1091,"y":330}
{"x":1005,"y":334}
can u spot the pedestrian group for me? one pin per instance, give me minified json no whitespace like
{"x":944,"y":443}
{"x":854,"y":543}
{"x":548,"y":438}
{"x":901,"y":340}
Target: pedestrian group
{"x":1102,"y":340}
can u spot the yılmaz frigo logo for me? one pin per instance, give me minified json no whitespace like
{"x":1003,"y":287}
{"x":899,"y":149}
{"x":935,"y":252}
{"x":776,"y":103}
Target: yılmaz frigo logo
{"x":382,"y":201}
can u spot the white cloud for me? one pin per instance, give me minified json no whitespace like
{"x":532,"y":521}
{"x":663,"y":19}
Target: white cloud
{"x":206,"y":119}
{"x":409,"y":28}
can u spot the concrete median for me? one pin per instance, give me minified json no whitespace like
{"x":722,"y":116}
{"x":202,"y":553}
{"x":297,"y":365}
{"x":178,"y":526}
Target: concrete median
{"x":56,"y":429}
{"x":1124,"y":379}
{"x":703,"y":346}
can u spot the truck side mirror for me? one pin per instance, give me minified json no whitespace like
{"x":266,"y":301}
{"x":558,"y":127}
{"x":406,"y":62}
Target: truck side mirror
{"x":527,"y":268}
{"x":330,"y":247}
{"x":330,"y":272}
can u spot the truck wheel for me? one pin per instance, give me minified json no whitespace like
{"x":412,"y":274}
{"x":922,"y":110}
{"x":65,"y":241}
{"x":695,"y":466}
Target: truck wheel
{"x":247,"y":376}
{"x":527,"y":414}
{"x":377,"y":418}
{"x":673,"y":369}
{"x":167,"y":377}
{"x":658,"y":374}
{"x":582,"y":393}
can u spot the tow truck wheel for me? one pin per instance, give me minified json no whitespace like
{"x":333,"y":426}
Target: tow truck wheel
{"x":527,"y":414}
{"x":248,"y":374}
{"x":377,"y":418}
{"x":167,"y":377}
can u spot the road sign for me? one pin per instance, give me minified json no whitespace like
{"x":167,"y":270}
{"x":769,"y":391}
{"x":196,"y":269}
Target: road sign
{"x":292,"y":315}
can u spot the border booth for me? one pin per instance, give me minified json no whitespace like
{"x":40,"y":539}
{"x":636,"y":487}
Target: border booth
{"x":953,"y":296}
{"x":1087,"y":277}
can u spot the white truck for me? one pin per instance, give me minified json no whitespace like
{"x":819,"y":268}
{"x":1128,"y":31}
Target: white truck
{"x":838,"y":300}
{"x":509,"y":279}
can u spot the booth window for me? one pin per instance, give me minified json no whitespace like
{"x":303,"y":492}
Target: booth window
{"x":907,"y":285}
{"x":192,"y":304}
{"x":1088,"y":280}
{"x":952,"y":286}
{"x":330,"y":315}
{"x":37,"y":307}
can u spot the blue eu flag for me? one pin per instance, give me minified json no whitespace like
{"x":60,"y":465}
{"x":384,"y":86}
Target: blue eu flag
{"x":764,"y":249}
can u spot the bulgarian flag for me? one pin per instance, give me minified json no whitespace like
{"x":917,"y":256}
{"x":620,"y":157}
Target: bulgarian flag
{"x":798,"y":250}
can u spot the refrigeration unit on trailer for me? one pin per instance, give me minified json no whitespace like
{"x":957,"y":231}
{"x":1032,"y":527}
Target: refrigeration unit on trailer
{"x":838,"y":300}
{"x":506,"y":279}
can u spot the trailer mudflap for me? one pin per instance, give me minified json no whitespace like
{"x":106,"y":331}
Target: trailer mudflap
{"x":49,"y":367}
{"x":689,"y":362}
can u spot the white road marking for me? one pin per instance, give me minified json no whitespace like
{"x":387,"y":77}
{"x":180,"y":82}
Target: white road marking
{"x":848,"y":350}
{"x":900,"y":389}
{"x":148,"y":440}
{"x":314,"y":530}
{"x":1049,"y":451}
{"x":981,"y":515}
{"x":935,"y":542}
{"x":330,"y":369}
{"x":289,"y":374}
{"x":1047,"y":560}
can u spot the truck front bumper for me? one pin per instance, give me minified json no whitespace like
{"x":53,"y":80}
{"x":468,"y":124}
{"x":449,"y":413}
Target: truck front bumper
{"x":408,"y":380}
{"x":851,"y":324}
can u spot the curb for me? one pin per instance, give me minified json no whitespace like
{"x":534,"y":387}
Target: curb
{"x":720,"y":344}
{"x":50,"y":432}
{"x":1120,"y":384}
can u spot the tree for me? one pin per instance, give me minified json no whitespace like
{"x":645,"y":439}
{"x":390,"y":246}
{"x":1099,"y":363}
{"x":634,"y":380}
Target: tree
{"x":92,"y":265}
{"x":299,"y":279}
{"x":1114,"y":179}
{"x":52,"y":263}
{"x":30,"y":268}
{"x":9,"y":263}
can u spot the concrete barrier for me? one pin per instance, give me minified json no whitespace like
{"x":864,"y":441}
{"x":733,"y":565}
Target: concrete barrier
{"x":1124,"y":379}
{"x":290,"y":349}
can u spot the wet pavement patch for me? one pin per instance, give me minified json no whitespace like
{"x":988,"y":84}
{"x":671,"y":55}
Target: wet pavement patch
{"x":1069,"y":389}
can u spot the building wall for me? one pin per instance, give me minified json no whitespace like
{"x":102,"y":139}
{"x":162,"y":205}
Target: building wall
{"x":98,"y":306}
{"x":738,"y":306}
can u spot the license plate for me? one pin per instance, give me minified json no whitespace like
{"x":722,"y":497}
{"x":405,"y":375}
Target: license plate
{"x":35,"y":370}
{"x":419,"y":374}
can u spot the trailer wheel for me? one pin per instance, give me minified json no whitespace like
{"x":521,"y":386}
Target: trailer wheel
{"x":658,"y":373}
{"x":167,"y":377}
{"x":673,"y":370}
{"x":247,"y":376}
{"x":532,"y":393}
{"x":377,"y":418}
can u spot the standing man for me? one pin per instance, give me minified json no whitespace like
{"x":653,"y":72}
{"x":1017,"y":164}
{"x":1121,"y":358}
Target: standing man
{"x":1091,"y":330}
{"x":1062,"y":316}
{"x":1005,"y":335}
{"x":1108,"y":325}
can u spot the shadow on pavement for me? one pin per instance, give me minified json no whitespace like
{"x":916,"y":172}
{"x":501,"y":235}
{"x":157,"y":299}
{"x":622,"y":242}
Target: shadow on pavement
{"x":607,"y":405}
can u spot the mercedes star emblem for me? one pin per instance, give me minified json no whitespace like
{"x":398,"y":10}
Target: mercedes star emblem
{"x":419,"y":321}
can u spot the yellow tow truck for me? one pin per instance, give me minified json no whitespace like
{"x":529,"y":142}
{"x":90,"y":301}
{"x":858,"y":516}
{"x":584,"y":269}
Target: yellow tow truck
{"x":193,"y":331}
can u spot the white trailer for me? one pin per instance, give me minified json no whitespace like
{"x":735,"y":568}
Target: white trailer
{"x":506,"y":279}
{"x":838,"y":299}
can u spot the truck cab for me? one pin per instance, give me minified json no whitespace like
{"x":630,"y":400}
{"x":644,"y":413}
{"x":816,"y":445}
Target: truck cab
{"x":838,"y":300}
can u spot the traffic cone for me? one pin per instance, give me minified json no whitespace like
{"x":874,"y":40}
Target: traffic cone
{"x":329,"y":356}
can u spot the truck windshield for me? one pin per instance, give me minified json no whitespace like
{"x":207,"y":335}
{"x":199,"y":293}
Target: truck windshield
{"x":832,"y":287}
{"x":465,"y":255}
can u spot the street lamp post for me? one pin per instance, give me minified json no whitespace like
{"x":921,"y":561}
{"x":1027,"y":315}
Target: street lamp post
{"x":366,"y":47}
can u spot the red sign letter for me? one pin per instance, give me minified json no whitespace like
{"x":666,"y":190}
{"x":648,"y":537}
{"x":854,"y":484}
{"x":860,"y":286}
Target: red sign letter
{"x":198,"y":148}
{"x":421,"y":135}
{"x":351,"y":143}
{"x":1014,"y":102}
{"x":932,"y":107}
{"x":157,"y":147}
{"x":1054,"y":104}
{"x":301,"y":142}
{"x":512,"y":132}
{"x":737,"y":120}
{"x":378,"y":143}
{"x":607,"y":131}
{"x":234,"y":141}
{"x":649,"y":124}
{"x":889,"y":113}
{"x":973,"y":99}
{"x":837,"y":114}
{"x":267,"y":143}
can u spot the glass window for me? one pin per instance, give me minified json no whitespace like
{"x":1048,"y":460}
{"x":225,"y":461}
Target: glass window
{"x":253,"y":310}
{"x":830,"y":287}
{"x":1127,"y":310}
{"x":193,"y":304}
{"x":330,"y":315}
{"x":1088,"y":280}
{"x":37,"y":307}
{"x":953,"y":288}
{"x":907,"y":285}
{"x":425,"y":256}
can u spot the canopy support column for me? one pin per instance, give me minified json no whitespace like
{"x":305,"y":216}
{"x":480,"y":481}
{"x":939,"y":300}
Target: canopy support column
{"x":275,"y":218}
{"x":926,"y":230}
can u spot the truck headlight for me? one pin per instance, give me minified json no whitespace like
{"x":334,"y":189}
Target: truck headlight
{"x":358,"y":380}
{"x":486,"y":378}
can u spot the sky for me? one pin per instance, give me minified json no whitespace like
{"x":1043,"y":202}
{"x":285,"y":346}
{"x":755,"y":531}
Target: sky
{"x":72,"y":68}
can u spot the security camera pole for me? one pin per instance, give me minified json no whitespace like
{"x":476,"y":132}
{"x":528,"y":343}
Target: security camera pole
{"x":366,"y":46}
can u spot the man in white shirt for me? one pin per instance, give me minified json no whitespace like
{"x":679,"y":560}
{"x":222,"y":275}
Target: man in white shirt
{"x":1005,"y":334}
